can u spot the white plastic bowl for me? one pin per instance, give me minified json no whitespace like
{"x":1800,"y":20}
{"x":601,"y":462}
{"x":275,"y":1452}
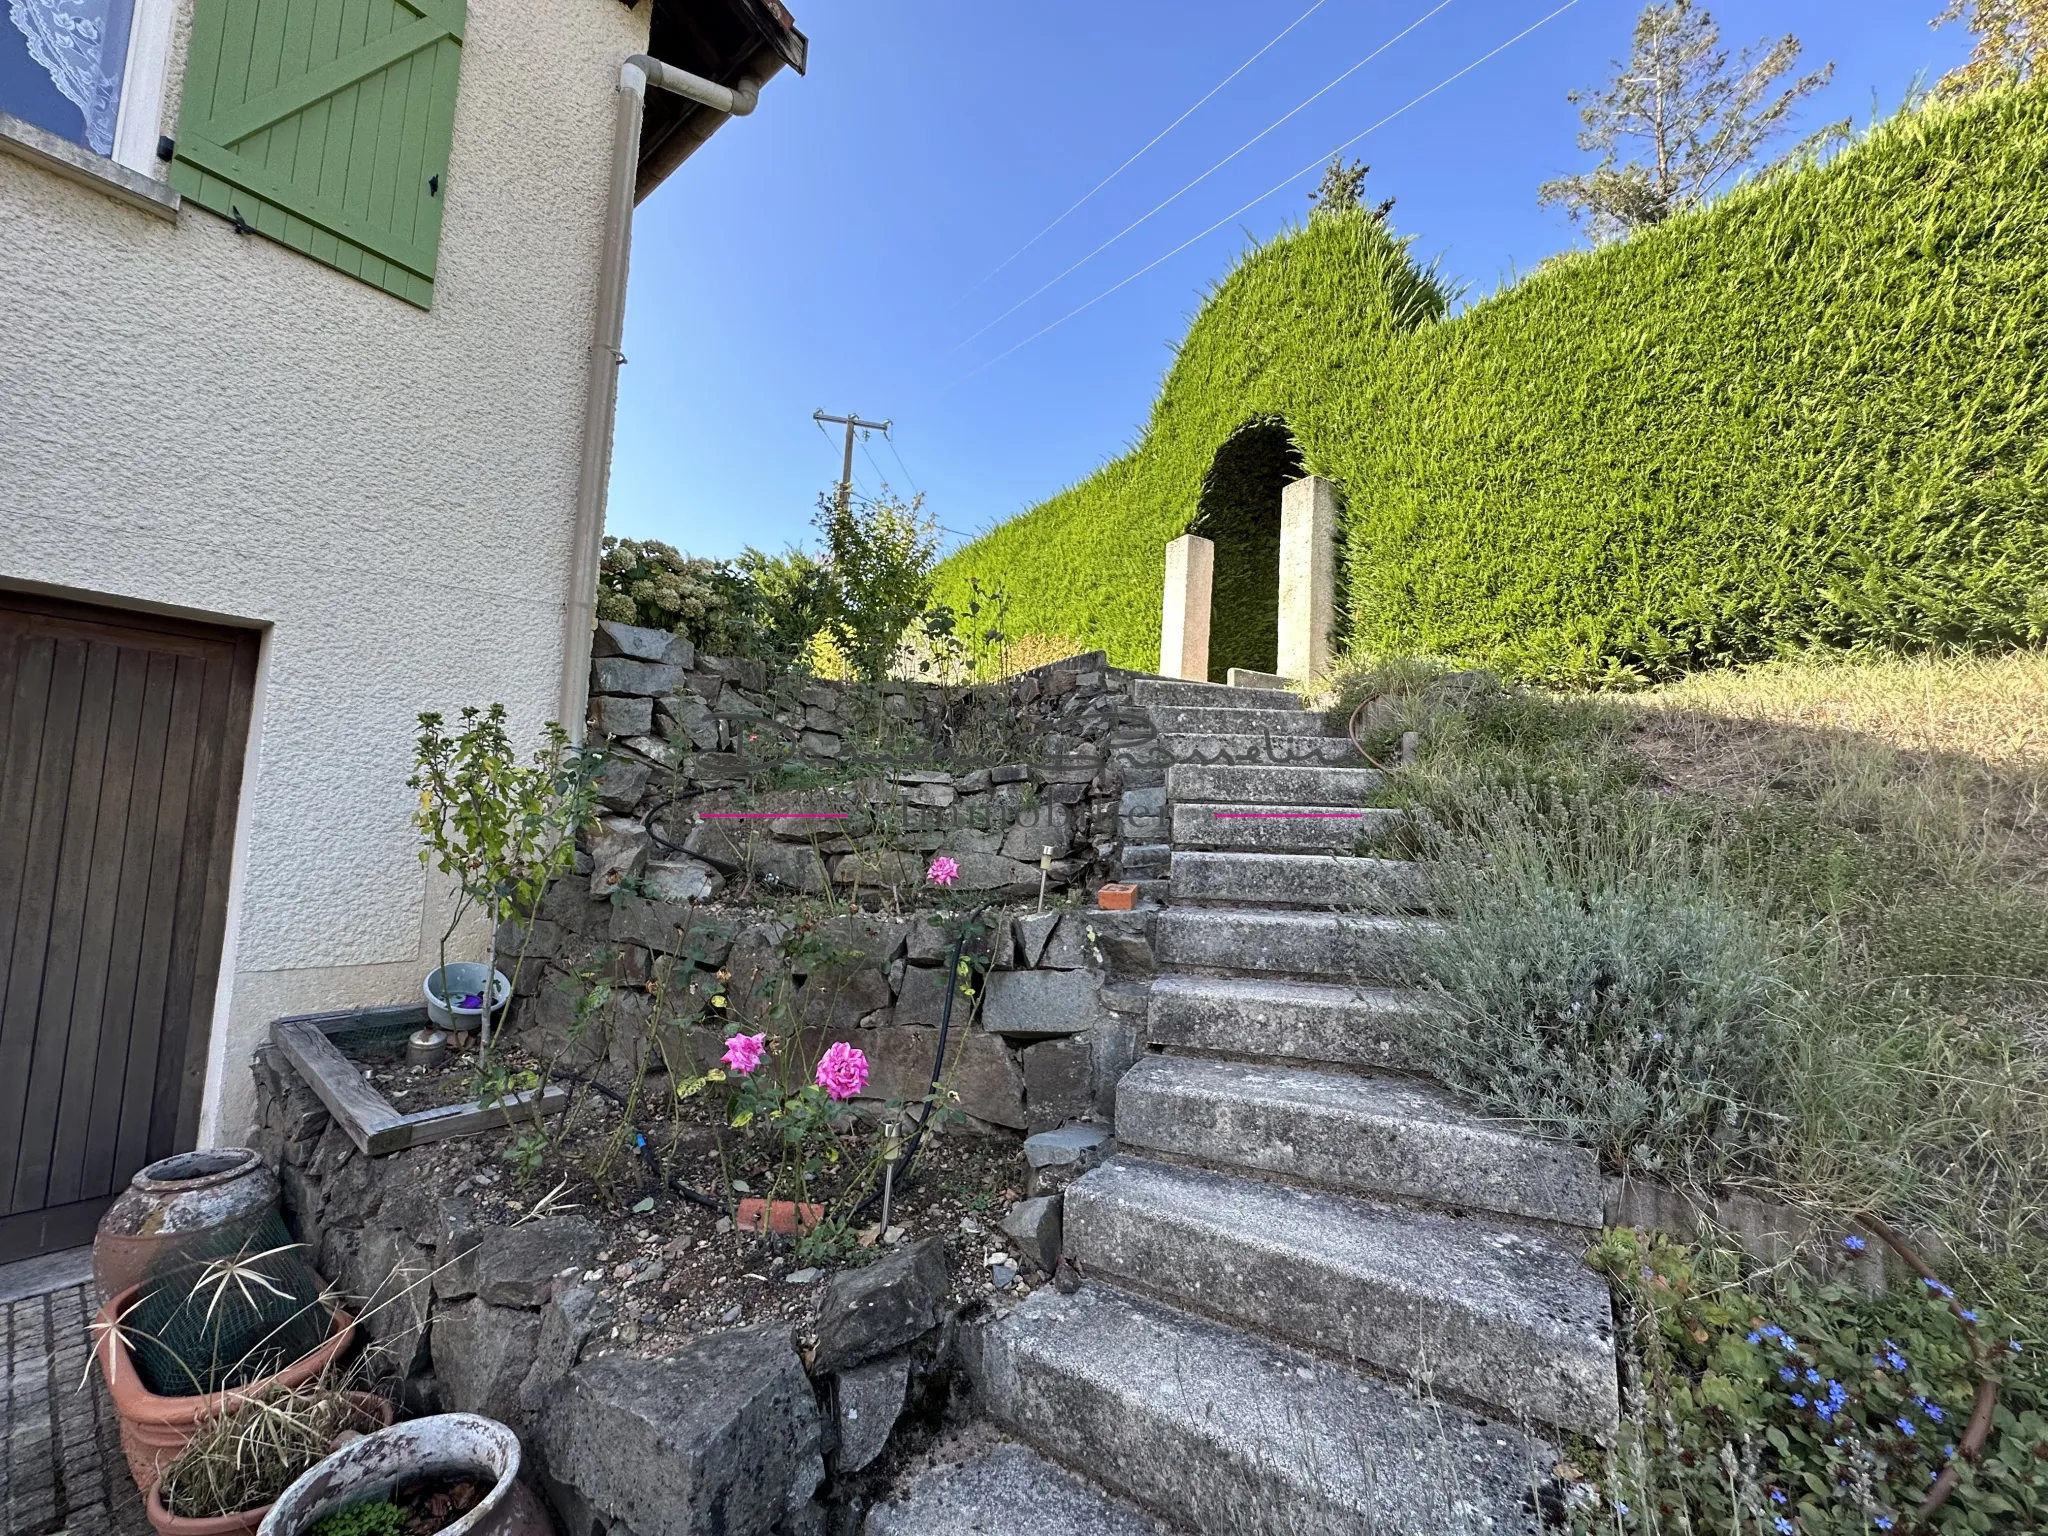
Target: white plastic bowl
{"x":465,"y":979}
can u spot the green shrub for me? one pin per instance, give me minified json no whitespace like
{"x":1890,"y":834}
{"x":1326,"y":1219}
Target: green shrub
{"x":1764,"y":1405}
{"x":1809,"y":414}
{"x":1599,"y":981}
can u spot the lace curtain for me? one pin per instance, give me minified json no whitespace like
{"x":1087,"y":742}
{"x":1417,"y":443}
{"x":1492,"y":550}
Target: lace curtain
{"x":83,"y":44}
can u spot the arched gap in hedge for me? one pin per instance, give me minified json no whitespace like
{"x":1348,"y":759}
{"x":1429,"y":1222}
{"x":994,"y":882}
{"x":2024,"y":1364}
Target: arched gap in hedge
{"x":1239,"y":511}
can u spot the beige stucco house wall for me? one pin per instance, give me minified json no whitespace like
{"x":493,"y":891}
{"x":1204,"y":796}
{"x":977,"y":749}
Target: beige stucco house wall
{"x":217,"y":426}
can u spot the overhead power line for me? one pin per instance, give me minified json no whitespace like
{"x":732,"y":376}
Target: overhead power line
{"x":1292,"y":112}
{"x":1270,"y":191}
{"x":1162,"y":133}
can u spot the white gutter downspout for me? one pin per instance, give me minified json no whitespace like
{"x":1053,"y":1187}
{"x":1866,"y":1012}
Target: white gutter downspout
{"x":580,"y":611}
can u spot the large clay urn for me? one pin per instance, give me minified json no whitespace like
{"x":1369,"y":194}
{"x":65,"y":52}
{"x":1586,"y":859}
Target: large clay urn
{"x":462,"y":1445}
{"x":187,"y":1201}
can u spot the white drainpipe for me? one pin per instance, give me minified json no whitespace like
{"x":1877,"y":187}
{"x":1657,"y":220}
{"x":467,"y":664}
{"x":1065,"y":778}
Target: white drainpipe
{"x":737,"y":100}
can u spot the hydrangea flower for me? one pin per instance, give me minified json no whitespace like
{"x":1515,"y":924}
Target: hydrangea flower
{"x":944,"y":871}
{"x":1784,"y":1526}
{"x":743,"y":1052}
{"x":1906,"y":1427}
{"x":843,"y":1071}
{"x":1853,"y":1243}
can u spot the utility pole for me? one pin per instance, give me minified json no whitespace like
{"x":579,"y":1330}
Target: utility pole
{"x":851,"y":423}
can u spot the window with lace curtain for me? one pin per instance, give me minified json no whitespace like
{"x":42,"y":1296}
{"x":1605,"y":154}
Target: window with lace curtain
{"x":62,"y":64}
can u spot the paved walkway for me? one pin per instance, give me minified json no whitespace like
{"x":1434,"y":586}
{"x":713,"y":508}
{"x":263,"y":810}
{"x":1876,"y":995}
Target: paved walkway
{"x":62,"y":1473}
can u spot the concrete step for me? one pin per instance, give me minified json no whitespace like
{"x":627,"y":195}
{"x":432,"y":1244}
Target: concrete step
{"x":1221,"y":721}
{"x":1263,"y":784}
{"x":1009,"y":1489}
{"x":1240,"y":1437}
{"x":1297,"y":880}
{"x":1257,"y":747}
{"x":1378,"y":1136}
{"x":1303,"y":1021}
{"x":1340,"y":946}
{"x":1510,"y":1321}
{"x":1149,"y":693}
{"x":1279,"y":828}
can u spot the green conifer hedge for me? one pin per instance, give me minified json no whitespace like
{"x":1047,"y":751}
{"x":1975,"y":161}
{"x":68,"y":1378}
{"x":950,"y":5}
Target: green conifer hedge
{"x":1811,"y":414}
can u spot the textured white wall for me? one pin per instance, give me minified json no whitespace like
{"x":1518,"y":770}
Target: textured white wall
{"x":218,"y":424}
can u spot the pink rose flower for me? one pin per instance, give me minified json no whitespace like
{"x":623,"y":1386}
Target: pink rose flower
{"x":943,"y":871}
{"x":844,"y":1071}
{"x":743,"y":1052}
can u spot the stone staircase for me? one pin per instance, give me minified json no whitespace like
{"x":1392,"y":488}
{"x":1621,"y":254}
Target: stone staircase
{"x":1319,"y":1295}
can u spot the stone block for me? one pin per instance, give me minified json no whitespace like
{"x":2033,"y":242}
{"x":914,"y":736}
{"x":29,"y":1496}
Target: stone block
{"x":687,"y":716}
{"x":638,"y":643}
{"x":1028,"y":1004}
{"x":671,"y":928}
{"x":389,"y":1277}
{"x":611,"y":715}
{"x":1033,"y":932}
{"x":787,"y":867}
{"x":482,"y":1355}
{"x":621,"y":674}
{"x":1042,"y":827}
{"x":518,"y":1266}
{"x":986,"y":1079}
{"x":922,"y":997}
{"x":1114,"y":1048}
{"x":879,"y":939}
{"x":622,"y":783}
{"x":455,"y":1250}
{"x":681,"y":879}
{"x":1119,"y":942}
{"x":723,"y":1435}
{"x":871,"y":1311}
{"x":839,"y":997}
{"x":1059,"y":1080}
{"x":755,"y":968}
{"x":618,"y":852}
{"x":818,"y":744}
{"x":928,"y":944}
{"x":567,"y":1325}
{"x":1034,"y":1225}
{"x":867,"y":1400}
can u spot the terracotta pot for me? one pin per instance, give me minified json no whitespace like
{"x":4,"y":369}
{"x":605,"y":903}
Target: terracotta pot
{"x":245,"y":1523}
{"x":443,"y":1445}
{"x":174,"y":1203}
{"x":154,"y":1429}
{"x":783,"y":1215}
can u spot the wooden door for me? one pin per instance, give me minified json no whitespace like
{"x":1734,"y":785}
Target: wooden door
{"x":121,"y":741}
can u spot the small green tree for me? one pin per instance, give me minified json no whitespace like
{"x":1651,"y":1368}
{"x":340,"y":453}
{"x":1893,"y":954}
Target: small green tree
{"x":503,"y":830}
{"x":1698,"y":120}
{"x":1342,"y":189}
{"x":881,"y":555}
{"x":2012,"y":40}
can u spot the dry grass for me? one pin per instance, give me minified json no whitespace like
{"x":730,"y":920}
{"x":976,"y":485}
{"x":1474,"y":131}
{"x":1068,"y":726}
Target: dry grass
{"x":1993,"y":708}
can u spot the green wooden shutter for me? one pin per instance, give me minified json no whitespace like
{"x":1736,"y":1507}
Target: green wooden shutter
{"x":325,"y":124}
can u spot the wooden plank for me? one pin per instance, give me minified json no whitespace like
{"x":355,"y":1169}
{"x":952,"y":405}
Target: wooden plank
{"x":364,"y":1114}
{"x":147,"y":1042}
{"x":59,"y":1043}
{"x":357,"y":1108}
{"x":229,"y":743}
{"x":117,"y":1018}
{"x":462,"y":1119}
{"x":100,"y":920}
{"x":274,"y":107}
{"x":23,"y":999}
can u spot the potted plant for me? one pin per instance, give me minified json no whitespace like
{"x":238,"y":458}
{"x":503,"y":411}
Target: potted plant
{"x":503,"y":830}
{"x":154,"y":1427}
{"x":458,"y":1468}
{"x":236,"y":1464}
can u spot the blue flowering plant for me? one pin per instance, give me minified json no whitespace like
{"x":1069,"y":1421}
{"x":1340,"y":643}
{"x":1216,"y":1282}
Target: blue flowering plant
{"x":1781,"y":1404}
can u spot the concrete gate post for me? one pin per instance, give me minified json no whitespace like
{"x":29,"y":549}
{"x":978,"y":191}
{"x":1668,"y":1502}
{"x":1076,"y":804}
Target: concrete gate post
{"x":1308,"y":577}
{"x":1184,"y":620}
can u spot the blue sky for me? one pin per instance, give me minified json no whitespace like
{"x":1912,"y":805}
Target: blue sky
{"x":836,"y":249}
